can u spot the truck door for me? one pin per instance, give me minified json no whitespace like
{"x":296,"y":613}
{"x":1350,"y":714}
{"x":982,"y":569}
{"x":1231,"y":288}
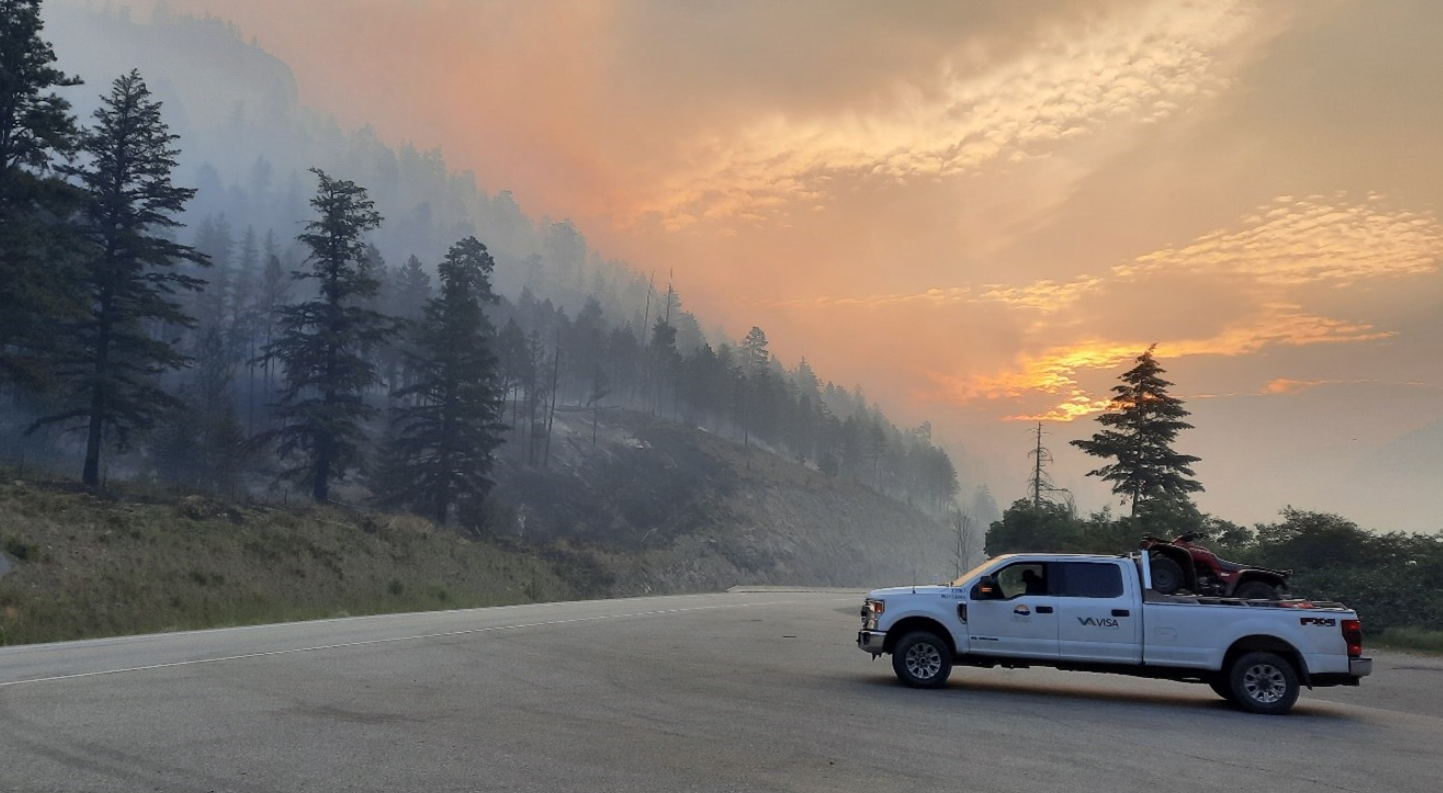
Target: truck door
{"x":1023,"y":624}
{"x":1098,"y":615}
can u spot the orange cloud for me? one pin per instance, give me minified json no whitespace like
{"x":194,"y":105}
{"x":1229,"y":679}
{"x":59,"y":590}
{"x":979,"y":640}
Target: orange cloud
{"x":1056,"y":370}
{"x":1300,"y":241}
{"x":1275,"y":251}
{"x":1080,"y":405}
{"x":934,"y":297}
{"x":1283,"y":385}
{"x":1046,"y":296}
{"x":1140,"y":64}
{"x":1289,"y":243}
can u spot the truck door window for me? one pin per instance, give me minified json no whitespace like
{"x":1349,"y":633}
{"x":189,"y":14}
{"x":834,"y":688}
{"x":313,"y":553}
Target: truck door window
{"x":1087,"y":580}
{"x":1022,"y":579}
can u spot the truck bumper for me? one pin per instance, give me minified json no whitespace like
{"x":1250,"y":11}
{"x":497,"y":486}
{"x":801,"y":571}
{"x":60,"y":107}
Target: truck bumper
{"x":871,"y":641}
{"x":1358,"y":668}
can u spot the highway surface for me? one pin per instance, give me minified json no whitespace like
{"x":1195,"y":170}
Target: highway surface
{"x":758,"y":691}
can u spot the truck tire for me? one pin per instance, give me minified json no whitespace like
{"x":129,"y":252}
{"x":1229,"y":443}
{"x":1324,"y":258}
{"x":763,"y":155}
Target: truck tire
{"x":1166,"y":575}
{"x":1263,"y":683}
{"x":1256,"y":590}
{"x":922,"y":660}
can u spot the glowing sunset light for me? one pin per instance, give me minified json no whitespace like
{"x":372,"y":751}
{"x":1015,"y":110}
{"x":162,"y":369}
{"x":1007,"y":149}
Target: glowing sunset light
{"x":1133,"y":65}
{"x":1306,"y":241}
{"x":1056,"y":371}
{"x":977,"y":213}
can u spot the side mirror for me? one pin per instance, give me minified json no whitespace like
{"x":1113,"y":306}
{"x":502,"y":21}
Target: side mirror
{"x":986,"y":589}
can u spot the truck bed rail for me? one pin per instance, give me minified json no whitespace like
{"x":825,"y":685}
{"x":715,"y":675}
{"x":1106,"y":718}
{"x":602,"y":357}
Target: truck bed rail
{"x":1151,"y":596}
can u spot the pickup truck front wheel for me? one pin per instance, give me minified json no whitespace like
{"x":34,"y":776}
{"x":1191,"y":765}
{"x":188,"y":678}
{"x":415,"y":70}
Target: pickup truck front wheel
{"x":922,"y":660}
{"x":1263,"y":683}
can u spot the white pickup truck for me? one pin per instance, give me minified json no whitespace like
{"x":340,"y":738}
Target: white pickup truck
{"x":1099,"y":613}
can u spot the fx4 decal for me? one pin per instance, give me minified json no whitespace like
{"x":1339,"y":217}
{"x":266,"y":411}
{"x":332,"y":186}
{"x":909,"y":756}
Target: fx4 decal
{"x":1326,"y":622}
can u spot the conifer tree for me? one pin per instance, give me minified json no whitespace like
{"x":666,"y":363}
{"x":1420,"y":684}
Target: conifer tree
{"x":753,"y":352}
{"x":441,"y":451}
{"x":275,"y":287}
{"x":321,"y":405}
{"x":241,"y":317}
{"x":665,"y":363}
{"x":1141,"y":424}
{"x":411,"y":289}
{"x":35,"y":122}
{"x":36,"y":248}
{"x":111,"y":361}
{"x":202,"y":443}
{"x":513,"y":362}
{"x":214,"y":239}
{"x":536,"y":369}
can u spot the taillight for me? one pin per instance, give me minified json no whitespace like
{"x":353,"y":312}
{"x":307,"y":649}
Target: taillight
{"x":1353,"y":635}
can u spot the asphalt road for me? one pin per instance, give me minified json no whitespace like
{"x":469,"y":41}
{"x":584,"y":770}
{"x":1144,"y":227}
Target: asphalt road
{"x":736,"y":692}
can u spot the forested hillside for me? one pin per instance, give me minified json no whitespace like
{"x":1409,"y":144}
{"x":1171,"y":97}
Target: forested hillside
{"x":214,"y":293}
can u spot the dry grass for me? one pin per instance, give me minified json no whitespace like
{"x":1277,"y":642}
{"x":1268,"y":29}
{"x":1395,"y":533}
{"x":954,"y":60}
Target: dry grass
{"x":86,"y":565}
{"x":1412,"y":639}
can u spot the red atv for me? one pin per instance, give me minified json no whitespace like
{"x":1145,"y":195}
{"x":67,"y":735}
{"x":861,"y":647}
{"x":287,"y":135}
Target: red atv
{"x":1184,"y":564}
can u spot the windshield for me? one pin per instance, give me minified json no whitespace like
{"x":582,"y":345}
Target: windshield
{"x":970,"y":573}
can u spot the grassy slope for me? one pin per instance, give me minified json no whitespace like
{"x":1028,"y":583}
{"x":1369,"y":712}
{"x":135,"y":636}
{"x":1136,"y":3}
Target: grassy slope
{"x":652,"y":508}
{"x":85,"y":566}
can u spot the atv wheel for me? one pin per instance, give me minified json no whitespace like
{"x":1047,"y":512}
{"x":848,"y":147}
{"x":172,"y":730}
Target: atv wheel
{"x":1166,"y":575}
{"x":1256,"y":590}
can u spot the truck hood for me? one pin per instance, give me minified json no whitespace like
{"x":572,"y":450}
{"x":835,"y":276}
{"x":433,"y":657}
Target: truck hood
{"x":930,"y":589}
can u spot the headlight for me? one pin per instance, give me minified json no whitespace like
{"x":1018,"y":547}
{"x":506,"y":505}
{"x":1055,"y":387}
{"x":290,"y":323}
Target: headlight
{"x":870,"y":611}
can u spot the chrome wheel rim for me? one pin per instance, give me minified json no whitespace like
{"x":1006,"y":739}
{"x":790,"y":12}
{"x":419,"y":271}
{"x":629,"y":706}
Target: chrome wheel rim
{"x":923,"y":661}
{"x":1265,"y":683}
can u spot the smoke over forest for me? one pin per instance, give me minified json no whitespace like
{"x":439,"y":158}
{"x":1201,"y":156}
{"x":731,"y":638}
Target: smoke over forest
{"x":211,"y":288}
{"x":568,"y":334}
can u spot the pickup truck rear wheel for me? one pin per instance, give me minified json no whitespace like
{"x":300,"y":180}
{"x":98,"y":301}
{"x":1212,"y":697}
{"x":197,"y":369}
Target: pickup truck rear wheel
{"x":922,"y":660}
{"x":1263,"y":683}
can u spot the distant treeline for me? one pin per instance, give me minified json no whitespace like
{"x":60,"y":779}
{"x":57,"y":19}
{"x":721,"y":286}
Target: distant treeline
{"x":1392,"y":579}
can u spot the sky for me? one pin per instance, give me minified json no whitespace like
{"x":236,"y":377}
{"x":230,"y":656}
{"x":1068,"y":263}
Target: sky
{"x":982,"y":212}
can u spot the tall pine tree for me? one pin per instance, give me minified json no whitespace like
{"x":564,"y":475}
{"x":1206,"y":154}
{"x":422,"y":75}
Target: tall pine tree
{"x":37,"y":261}
{"x":441,"y":452}
{"x":111,"y":358}
{"x":1141,"y":424}
{"x":322,"y":406}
